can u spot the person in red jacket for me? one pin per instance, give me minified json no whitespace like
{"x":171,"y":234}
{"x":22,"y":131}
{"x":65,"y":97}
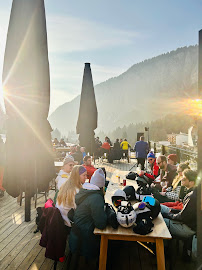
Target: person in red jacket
{"x":87,"y":164}
{"x":155,"y":171}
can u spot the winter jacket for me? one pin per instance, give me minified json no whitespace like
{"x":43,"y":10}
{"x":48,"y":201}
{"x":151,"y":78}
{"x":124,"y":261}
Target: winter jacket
{"x":141,"y":148}
{"x":89,"y":215}
{"x":61,"y":178}
{"x":169,"y":174}
{"x":54,"y":234}
{"x":155,"y":171}
{"x":189,"y":212}
{"x":106,"y":146}
{"x":90,"y":170}
{"x":125,"y":145}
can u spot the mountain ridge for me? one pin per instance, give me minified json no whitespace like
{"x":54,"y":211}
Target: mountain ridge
{"x":139,"y":93}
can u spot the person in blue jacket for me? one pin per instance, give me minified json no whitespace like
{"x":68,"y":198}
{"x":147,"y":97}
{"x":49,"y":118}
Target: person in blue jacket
{"x":89,"y":214}
{"x":141,"y":148}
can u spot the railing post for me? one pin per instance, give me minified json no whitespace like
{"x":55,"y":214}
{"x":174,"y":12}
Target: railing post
{"x":163,"y":151}
{"x":154,"y":148}
{"x":178,"y":155}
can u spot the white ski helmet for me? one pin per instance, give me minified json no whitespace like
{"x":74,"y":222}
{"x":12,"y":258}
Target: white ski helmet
{"x":126,"y":215}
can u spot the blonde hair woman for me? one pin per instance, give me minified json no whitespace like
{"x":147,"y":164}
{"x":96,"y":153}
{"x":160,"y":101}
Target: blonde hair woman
{"x":67,"y":192}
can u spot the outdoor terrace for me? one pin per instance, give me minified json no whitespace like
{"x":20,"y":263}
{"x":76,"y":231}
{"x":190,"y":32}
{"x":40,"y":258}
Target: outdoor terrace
{"x":19,"y":246}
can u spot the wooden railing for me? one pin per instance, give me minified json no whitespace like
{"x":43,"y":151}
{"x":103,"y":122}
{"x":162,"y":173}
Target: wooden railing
{"x":182,"y":154}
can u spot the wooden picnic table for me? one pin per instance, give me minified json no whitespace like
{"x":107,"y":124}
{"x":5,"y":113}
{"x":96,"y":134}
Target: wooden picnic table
{"x":62,"y":149}
{"x":160,"y":230}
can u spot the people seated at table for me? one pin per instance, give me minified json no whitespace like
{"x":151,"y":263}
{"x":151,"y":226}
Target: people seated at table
{"x":183,"y":223}
{"x":125,"y":146}
{"x":167,"y":173}
{"x":87,"y":163}
{"x":172,"y":159}
{"x":141,"y":148}
{"x":89,"y":214}
{"x":63,"y":143}
{"x":64,"y":173}
{"x":67,"y":192}
{"x":155,"y":171}
{"x":56,"y":142}
{"x":176,"y":191}
{"x":72,"y":149}
{"x":78,"y":156}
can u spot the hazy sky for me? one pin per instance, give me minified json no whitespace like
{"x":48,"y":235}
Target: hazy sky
{"x":110,"y":34}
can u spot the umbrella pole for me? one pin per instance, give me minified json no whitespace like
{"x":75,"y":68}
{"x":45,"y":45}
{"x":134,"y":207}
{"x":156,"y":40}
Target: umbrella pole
{"x":27,"y":205}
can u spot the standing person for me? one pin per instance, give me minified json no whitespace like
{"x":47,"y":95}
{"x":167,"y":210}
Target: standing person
{"x":107,"y":139}
{"x":89,"y":214}
{"x":105,"y":147}
{"x":98,"y":145}
{"x":141,"y":148}
{"x":125,"y":146}
{"x":89,"y":167}
{"x":83,"y":151}
{"x":66,"y":195}
{"x":117,"y":145}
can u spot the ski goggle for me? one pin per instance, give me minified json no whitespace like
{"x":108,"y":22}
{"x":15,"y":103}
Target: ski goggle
{"x":149,"y":200}
{"x":142,"y":206}
{"x":117,"y":201}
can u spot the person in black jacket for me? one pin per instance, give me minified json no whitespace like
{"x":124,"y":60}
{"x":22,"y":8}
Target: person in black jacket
{"x":89,"y":214}
{"x":183,"y":224}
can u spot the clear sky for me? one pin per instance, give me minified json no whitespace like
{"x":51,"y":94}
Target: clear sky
{"x":110,"y":34}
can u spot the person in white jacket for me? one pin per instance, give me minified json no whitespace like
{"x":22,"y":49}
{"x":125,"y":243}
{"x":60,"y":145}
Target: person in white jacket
{"x":67,"y":192}
{"x":64,"y":173}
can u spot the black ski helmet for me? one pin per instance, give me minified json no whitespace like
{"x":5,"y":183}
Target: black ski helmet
{"x":154,"y":205}
{"x":130,"y":193}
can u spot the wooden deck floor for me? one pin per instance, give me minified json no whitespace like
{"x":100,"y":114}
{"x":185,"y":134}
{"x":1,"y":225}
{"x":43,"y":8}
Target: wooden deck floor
{"x":19,"y":246}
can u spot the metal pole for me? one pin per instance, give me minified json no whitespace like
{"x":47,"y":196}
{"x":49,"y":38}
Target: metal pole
{"x":199,"y":194}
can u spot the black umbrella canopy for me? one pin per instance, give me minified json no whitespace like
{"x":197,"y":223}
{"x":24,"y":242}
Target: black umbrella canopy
{"x":26,"y":85}
{"x":87,"y":120}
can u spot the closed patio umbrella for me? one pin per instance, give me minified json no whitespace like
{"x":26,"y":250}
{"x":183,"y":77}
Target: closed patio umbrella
{"x":87,"y":120}
{"x":29,"y":161}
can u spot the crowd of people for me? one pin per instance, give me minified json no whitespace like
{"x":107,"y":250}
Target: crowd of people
{"x":174,"y":186}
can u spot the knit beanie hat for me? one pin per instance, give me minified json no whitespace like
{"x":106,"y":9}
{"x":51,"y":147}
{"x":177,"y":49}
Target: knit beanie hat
{"x":173,"y":157}
{"x":82,"y":170}
{"x":151,"y":155}
{"x":98,"y":178}
{"x":68,"y":159}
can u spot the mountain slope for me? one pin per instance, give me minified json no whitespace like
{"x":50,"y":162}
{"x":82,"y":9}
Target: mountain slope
{"x":144,"y":92}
